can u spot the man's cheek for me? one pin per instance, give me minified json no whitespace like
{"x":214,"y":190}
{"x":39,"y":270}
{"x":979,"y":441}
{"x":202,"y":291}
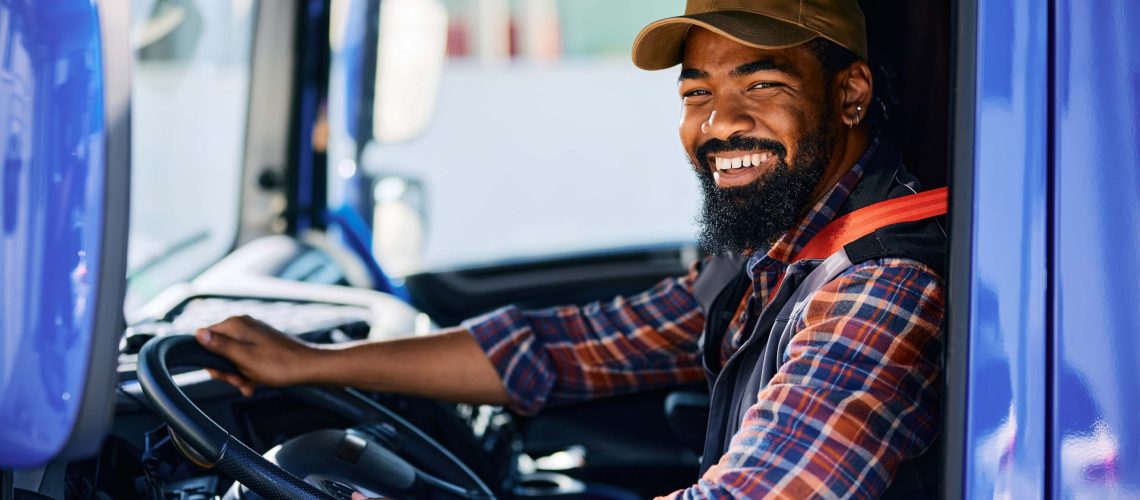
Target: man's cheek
{"x":689,"y":141}
{"x":689,"y":128}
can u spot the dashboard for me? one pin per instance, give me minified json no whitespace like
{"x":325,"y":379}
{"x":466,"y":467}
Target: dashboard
{"x":294,"y":287}
{"x":308,"y":291}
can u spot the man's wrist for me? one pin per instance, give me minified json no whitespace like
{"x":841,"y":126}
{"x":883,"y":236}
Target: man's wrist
{"x":326,"y":364}
{"x":313,"y":367}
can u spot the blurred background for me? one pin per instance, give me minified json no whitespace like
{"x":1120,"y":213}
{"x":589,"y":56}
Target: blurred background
{"x":190,"y":91}
{"x":545,"y":139}
{"x":540,"y":138}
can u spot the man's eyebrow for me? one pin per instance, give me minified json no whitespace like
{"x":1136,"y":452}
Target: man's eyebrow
{"x":762,"y":65}
{"x":692,"y":74}
{"x":742,"y":70}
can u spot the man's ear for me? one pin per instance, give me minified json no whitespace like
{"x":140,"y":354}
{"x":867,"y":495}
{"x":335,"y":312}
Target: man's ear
{"x":856,"y":88}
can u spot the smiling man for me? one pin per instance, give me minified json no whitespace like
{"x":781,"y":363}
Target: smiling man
{"x":821,"y":342}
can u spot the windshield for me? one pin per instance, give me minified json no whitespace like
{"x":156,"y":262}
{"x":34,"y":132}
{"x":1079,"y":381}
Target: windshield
{"x":190,"y":87}
{"x":546,"y":139}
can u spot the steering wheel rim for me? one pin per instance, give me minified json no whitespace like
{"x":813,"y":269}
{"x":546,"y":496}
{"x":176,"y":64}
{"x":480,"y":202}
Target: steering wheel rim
{"x":205,"y":436}
{"x":212,"y":442}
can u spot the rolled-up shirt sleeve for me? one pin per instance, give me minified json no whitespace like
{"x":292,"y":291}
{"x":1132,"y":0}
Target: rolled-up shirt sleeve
{"x":575,"y":353}
{"x":858,"y":392}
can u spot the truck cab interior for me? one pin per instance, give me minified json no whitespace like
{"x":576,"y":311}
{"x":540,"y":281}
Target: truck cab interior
{"x":305,"y":198}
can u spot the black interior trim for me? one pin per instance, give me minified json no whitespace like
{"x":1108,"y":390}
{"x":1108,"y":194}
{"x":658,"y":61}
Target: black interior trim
{"x":305,"y":173}
{"x":6,"y":486}
{"x":954,"y":432}
{"x":586,"y":269}
{"x":1052,"y":435}
{"x":914,"y":39}
{"x":450,"y":297}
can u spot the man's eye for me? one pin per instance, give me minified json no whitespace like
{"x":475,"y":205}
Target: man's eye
{"x":764,"y":85}
{"x":695,"y":93}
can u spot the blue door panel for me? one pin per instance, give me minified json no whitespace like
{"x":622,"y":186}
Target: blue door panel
{"x":1097,"y":266}
{"x":1004,"y":453}
{"x":51,"y":226}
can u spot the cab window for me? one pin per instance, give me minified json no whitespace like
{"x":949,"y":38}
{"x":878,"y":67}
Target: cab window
{"x":189,"y":94}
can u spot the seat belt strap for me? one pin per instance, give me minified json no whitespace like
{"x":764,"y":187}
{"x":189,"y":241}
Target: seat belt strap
{"x":848,"y":228}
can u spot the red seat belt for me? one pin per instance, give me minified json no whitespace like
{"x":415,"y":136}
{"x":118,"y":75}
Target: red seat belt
{"x":866,"y":220}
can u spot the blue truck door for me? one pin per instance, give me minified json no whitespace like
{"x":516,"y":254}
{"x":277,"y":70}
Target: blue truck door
{"x":1095,"y":226}
{"x":1043,"y":351}
{"x":997,"y":342}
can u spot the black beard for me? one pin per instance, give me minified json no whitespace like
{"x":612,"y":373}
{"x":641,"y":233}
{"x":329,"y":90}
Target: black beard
{"x":750,"y":218}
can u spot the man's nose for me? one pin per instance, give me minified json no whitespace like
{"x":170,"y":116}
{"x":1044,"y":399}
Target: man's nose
{"x":727,"y":119}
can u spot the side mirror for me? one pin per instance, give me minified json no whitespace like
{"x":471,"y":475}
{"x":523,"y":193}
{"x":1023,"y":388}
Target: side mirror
{"x":411,"y":48}
{"x":63,"y":240}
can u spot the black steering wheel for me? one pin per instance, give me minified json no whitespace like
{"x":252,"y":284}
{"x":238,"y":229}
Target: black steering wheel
{"x":324,"y":460}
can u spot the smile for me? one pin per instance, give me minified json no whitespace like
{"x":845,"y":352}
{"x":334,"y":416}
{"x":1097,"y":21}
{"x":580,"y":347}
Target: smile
{"x":725,"y":163}
{"x":738,"y":168}
{"x":737,"y":161}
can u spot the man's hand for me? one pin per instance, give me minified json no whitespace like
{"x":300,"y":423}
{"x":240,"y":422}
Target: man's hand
{"x":447,"y":365}
{"x":263,"y":355}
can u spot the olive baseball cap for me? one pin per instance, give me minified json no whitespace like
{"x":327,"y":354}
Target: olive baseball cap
{"x":766,"y":24}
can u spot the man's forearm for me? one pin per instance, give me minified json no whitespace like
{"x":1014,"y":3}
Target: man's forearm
{"x":448,"y":365}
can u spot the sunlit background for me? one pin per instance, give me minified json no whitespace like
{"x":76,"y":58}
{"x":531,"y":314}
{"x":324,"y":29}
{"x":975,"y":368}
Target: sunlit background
{"x":544,"y":139}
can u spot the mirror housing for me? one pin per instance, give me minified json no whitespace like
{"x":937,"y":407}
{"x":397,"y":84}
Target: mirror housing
{"x":411,"y":49}
{"x":63,"y":241}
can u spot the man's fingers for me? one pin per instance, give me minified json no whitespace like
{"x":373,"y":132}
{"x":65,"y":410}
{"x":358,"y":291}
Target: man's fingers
{"x":246,"y":389}
{"x":244,"y":385}
{"x":242,"y":329}
{"x":220,"y":343}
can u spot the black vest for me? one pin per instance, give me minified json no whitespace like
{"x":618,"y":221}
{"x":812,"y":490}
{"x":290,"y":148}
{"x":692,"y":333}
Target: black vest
{"x":722,"y":284}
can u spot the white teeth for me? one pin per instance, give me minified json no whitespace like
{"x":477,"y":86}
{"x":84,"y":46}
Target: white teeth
{"x":752,"y":160}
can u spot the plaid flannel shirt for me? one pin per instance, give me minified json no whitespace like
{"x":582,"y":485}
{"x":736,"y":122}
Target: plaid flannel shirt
{"x":857,"y":393}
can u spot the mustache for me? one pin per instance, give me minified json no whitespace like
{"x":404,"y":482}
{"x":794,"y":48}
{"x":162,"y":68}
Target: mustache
{"x":739,"y":143}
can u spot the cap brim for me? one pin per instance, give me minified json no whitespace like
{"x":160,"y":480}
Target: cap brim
{"x":658,"y":46}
